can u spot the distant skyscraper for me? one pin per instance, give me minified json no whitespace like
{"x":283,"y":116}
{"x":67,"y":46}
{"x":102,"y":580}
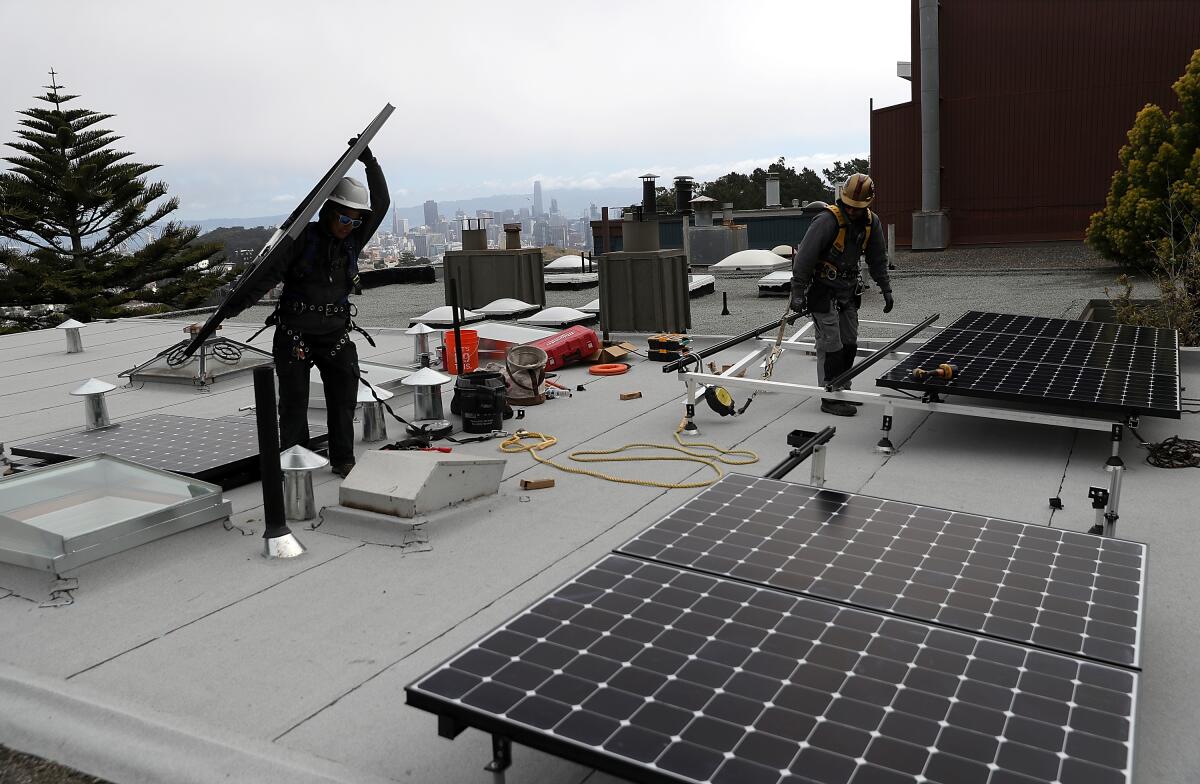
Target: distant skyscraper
{"x":402,"y":226}
{"x":554,"y":206}
{"x":431,"y":214}
{"x":537,"y":198}
{"x":395,"y":222}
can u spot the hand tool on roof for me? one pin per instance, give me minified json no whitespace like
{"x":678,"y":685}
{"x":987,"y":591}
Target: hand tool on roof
{"x":943,"y":370}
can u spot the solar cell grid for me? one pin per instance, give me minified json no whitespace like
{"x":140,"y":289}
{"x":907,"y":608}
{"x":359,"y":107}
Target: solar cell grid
{"x":667,"y":675}
{"x":1108,"y":368}
{"x":1141,"y":359}
{"x":1095,"y":388}
{"x":191,"y":446}
{"x":1060,"y":590}
{"x":1069,"y":329}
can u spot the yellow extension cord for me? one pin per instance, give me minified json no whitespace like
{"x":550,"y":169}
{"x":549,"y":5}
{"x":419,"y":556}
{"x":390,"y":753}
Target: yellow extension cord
{"x":515,"y":443}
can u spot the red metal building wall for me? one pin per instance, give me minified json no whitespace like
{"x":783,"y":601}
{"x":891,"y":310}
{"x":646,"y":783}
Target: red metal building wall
{"x":1037,"y":98}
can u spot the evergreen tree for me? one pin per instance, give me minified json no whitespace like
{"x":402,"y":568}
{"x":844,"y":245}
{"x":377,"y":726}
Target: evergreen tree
{"x":1159,"y":178}
{"x":749,"y":191}
{"x":840,"y":172}
{"x":89,"y":214}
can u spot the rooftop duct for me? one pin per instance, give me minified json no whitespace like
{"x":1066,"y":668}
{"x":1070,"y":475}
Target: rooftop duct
{"x":649,"y":198}
{"x":704,"y":206}
{"x":683,"y":194}
{"x":931,"y":226}
{"x":512,"y":236}
{"x":773,"y":190}
{"x":474,"y":237}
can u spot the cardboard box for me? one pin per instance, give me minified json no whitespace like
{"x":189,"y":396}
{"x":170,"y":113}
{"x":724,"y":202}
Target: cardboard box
{"x":617,"y":352}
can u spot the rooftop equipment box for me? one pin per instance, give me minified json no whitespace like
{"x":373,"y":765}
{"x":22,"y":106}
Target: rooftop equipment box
{"x":645,"y":291}
{"x":485,"y":276}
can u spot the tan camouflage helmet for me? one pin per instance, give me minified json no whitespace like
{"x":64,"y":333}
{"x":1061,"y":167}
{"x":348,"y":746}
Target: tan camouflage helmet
{"x":859,"y":190}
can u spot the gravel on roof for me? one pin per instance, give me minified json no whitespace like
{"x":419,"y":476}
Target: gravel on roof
{"x":1061,"y":293}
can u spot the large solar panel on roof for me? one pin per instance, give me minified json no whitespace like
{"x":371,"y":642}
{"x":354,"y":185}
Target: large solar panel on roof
{"x":1070,"y":329}
{"x":1065,"y":591}
{"x":1102,"y":367}
{"x":208,"y":449}
{"x":659,"y":674}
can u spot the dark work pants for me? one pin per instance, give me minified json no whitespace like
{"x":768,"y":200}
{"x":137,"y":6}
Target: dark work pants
{"x":836,"y":337}
{"x":339,"y":374}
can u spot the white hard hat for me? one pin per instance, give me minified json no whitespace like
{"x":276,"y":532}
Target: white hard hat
{"x":351,"y":193}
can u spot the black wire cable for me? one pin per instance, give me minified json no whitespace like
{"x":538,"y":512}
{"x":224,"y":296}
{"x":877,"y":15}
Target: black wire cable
{"x":1174,"y":452}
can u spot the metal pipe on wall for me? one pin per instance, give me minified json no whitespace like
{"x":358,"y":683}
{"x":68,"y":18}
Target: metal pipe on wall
{"x":931,"y":162}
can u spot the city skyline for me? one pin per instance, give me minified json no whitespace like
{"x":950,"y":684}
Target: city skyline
{"x":487,"y":101}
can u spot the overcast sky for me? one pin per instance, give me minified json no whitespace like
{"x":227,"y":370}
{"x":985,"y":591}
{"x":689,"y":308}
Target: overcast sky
{"x":247,"y":103}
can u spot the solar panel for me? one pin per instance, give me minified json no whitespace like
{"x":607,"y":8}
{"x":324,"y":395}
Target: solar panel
{"x":660,"y":674}
{"x":1058,"y":351}
{"x":1061,"y":590}
{"x":1106,"y":368}
{"x":1070,"y":329}
{"x":208,"y":449}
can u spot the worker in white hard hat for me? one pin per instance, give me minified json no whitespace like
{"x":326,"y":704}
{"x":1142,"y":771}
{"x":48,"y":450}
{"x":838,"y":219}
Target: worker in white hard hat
{"x":313,"y":319}
{"x":826,"y":284}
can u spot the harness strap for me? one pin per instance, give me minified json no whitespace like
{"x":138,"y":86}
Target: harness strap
{"x":839,"y":241}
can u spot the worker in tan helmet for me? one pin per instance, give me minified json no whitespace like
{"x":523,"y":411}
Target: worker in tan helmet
{"x":826,"y":284}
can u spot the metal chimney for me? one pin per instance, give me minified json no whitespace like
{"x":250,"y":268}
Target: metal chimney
{"x":772,"y":189}
{"x":474,"y":237}
{"x":639,"y":233}
{"x":931,"y":225}
{"x":683,"y":194}
{"x":512,"y":236}
{"x":703,"y":205}
{"x":95,"y":410}
{"x":727,"y":212}
{"x":374,"y":425}
{"x":649,"y":198}
{"x":74,"y":341}
{"x":420,"y":333}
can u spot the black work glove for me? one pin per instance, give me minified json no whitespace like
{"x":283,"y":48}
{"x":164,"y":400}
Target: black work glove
{"x":888,"y":302}
{"x":799,"y":300}
{"x":365,"y":156}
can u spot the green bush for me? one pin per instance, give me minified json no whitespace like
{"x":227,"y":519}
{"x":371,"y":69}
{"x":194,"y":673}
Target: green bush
{"x":1159,"y":172}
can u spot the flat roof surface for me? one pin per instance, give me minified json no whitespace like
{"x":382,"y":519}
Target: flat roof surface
{"x":194,"y":659}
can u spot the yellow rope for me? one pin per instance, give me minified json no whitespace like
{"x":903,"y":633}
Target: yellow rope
{"x":515,"y":443}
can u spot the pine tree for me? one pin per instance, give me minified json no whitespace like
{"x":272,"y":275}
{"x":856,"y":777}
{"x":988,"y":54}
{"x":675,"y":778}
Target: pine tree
{"x":840,"y":172}
{"x":90,"y":217}
{"x":1159,"y":175}
{"x":749,"y":191}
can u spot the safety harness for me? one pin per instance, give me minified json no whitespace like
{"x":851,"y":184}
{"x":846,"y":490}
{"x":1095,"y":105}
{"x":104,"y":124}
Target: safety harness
{"x":828,"y":268}
{"x":306,"y":268}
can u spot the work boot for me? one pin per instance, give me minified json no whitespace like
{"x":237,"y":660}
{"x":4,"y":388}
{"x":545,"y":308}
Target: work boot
{"x":342,"y":469}
{"x":837,"y":407}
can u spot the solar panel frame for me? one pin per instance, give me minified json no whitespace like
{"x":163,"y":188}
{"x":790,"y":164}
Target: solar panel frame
{"x":659,"y":674}
{"x":1103,"y":368}
{"x":1017,"y":581}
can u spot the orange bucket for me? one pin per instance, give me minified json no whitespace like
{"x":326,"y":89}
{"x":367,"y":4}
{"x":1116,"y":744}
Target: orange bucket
{"x":470,"y":351}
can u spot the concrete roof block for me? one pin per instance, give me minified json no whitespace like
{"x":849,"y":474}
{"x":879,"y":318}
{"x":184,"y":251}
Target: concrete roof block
{"x":410,"y":483}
